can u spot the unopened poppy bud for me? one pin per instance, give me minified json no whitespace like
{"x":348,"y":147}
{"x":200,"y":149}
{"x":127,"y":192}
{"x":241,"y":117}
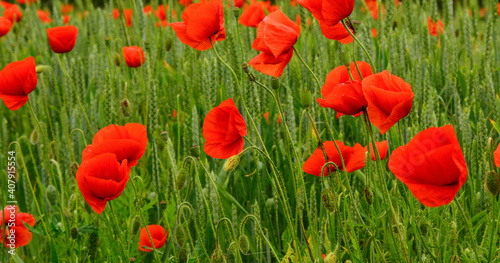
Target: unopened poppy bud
{"x":492,"y":183}
{"x":368,"y":195}
{"x":42,"y":68}
{"x":73,"y":168}
{"x":355,"y":24}
{"x":244,"y":66}
{"x":183,"y":255}
{"x":34,"y":137}
{"x":136,"y":224}
{"x":147,"y":46}
{"x":181,"y":178}
{"x":73,"y":233}
{"x":244,"y":244}
{"x":346,"y":59}
{"x":232,"y":249}
{"x":180,"y":236}
{"x":164,"y":135}
{"x":51,"y":195}
{"x":237,"y":12}
{"x":275,"y":83}
{"x":331,"y":258}
{"x":231,"y":163}
{"x":306,"y":98}
{"x":218,"y":256}
{"x":328,"y":199}
{"x":117,"y":60}
{"x":168,"y":44}
{"x":424,"y":228}
{"x":107,"y":41}
{"x":125,"y":107}
{"x":195,"y":151}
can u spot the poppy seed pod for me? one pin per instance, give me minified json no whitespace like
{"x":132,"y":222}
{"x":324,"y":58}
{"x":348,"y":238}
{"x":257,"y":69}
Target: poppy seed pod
{"x":195,"y":151}
{"x":244,"y":66}
{"x":492,"y":183}
{"x":244,"y":244}
{"x":306,"y":98}
{"x":237,"y":12}
{"x":164,"y":135}
{"x":231,"y":163}
{"x":51,"y":195}
{"x":107,"y":41}
{"x":328,"y":199}
{"x":275,"y":83}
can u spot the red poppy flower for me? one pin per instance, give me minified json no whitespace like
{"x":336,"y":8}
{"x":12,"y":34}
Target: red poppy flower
{"x":266,"y":116}
{"x":11,"y":212}
{"x":432,"y":165}
{"x":17,"y":236}
{"x":382,"y":148}
{"x":237,"y":3}
{"x":128,"y":16}
{"x":373,"y":8}
{"x":256,"y":12}
{"x":62,"y":39}
{"x":102,"y":179}
{"x":14,"y":232}
{"x":223,"y":130}
{"x":66,"y":9}
{"x":203,"y":22}
{"x":116,"y":13}
{"x":185,"y":2}
{"x":17,"y":80}
{"x":66,"y":19}
{"x":389,"y":99}
{"x":5,"y":26}
{"x":163,"y":23}
{"x":354,"y":158}
{"x":343,"y":95}
{"x":44,"y":16}
{"x":336,"y":32}
{"x":435,"y":28}
{"x":23,"y":2}
{"x":13,"y":13}
{"x":496,"y":155}
{"x":276,"y":36}
{"x":374,"y":32}
{"x":126,"y":142}
{"x":134,"y":56}
{"x":158,"y":234}
{"x":161,"y":12}
{"x":5,"y":4}
{"x":147,"y":10}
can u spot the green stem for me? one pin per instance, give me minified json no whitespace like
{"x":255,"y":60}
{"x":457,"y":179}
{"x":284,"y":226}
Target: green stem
{"x":362,"y":46}
{"x":307,"y":66}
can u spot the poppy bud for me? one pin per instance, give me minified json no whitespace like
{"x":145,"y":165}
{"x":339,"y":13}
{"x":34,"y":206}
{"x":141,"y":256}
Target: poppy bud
{"x":306,"y":98}
{"x":328,"y":199}
{"x":355,"y":24}
{"x":492,"y":183}
{"x":164,"y":135}
{"x":107,"y":41}
{"x":93,"y":245}
{"x":147,"y":46}
{"x":73,"y":168}
{"x":182,"y":255}
{"x":181,"y":178}
{"x":244,"y":66}
{"x":218,"y":256}
{"x":125,"y":107}
{"x":34,"y":137}
{"x":41,"y":68}
{"x":346,"y":59}
{"x":237,"y":12}
{"x":455,"y":259}
{"x":195,"y":151}
{"x":331,"y":258}
{"x":73,"y":233}
{"x":168,"y":44}
{"x":180,"y":236}
{"x":117,"y":60}
{"x":51,"y":195}
{"x":275,"y":83}
{"x":136,"y":224}
{"x":368,"y":195}
{"x":231,"y":163}
{"x":232,"y":249}
{"x":244,"y":244}
{"x":424,"y":228}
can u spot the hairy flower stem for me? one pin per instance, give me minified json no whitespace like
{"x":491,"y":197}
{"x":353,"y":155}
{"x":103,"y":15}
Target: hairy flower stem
{"x":470,"y":230}
{"x":113,"y":225}
{"x":360,"y":44}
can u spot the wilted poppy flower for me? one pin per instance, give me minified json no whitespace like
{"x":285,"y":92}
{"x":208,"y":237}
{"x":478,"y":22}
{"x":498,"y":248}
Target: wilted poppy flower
{"x":435,"y":28}
{"x":147,"y":10}
{"x":66,"y":19}
{"x":14,"y":233}
{"x":343,"y":95}
{"x":256,"y":12}
{"x":134,"y":56}
{"x":102,"y":179}
{"x":5,"y":26}
{"x":203,"y":24}
{"x":389,"y":99}
{"x":62,"y":39}
{"x":354,"y":158}
{"x":276,"y":36}
{"x":66,"y":9}
{"x":13,"y":13}
{"x":126,"y":142}
{"x":44,"y":16}
{"x":223,"y":130}
{"x":382,"y":148}
{"x":496,"y":155}
{"x":158,"y":234}
{"x":17,"y":80}
{"x":432,"y":165}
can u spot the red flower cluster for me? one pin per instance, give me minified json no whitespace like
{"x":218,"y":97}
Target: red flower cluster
{"x":14,"y":232}
{"x":17,"y":80}
{"x":106,"y":163}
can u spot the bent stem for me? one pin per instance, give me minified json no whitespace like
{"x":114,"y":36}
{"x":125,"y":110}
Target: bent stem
{"x":307,"y":66}
{"x":359,"y":43}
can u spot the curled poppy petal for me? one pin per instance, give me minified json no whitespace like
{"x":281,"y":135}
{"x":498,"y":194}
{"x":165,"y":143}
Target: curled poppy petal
{"x":134,"y":56}
{"x":223,"y":130}
{"x":62,"y":39}
{"x":17,"y":80}
{"x":158,"y":234}
{"x":432,"y":165}
{"x":336,"y":32}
